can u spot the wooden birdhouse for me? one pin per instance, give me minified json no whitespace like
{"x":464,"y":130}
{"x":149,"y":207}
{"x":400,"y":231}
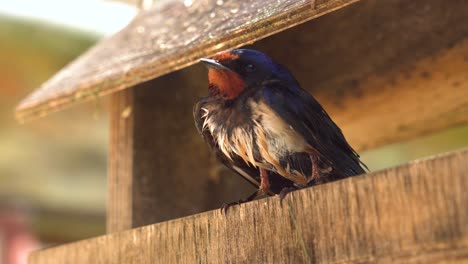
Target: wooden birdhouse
{"x":386,"y":71}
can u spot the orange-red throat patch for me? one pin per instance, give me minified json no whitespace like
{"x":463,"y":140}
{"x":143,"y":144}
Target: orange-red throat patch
{"x":225,"y":83}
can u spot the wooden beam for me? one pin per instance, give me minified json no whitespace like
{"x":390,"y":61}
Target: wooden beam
{"x":414,"y":99}
{"x":120,"y":175}
{"x":412,"y":213}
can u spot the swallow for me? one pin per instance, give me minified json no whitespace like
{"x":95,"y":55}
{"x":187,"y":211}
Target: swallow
{"x":262,"y":125}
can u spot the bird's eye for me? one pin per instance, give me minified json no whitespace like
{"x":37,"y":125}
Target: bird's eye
{"x":249,"y":67}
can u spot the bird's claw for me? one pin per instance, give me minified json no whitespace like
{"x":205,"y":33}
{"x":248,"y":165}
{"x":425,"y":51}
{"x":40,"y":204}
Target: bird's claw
{"x":224,"y":208}
{"x":284,"y":192}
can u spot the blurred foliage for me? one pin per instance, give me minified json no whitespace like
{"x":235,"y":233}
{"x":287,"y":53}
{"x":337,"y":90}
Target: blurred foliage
{"x":399,"y":153}
{"x":32,"y":51}
{"x":55,"y":166}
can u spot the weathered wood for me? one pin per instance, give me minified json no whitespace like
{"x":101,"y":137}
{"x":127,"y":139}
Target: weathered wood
{"x":153,"y":147}
{"x":415,"y":213}
{"x":121,"y":151}
{"x":167,"y":37}
{"x":414,"y":99}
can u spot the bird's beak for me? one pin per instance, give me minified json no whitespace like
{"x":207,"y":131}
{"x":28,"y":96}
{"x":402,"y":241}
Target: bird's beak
{"x":213,"y":64}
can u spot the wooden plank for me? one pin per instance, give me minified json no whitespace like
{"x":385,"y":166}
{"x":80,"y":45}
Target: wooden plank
{"x":120,"y":175}
{"x":415,"y":99}
{"x":415,"y":213}
{"x":170,"y":36}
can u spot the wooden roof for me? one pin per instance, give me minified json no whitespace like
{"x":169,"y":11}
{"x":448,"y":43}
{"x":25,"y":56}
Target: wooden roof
{"x":172,"y":35}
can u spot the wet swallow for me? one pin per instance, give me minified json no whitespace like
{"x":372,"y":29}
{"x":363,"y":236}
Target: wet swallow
{"x":267,"y":129}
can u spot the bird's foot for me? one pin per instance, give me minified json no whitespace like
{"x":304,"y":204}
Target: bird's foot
{"x":226,"y":206}
{"x":284,"y":192}
{"x":264,"y":187}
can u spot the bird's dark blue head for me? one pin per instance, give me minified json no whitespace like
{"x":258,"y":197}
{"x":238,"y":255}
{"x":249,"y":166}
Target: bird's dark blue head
{"x":232,"y":72}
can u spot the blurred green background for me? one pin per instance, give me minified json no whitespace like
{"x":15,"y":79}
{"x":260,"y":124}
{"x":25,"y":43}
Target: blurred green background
{"x":53,"y":170}
{"x":53,"y":167}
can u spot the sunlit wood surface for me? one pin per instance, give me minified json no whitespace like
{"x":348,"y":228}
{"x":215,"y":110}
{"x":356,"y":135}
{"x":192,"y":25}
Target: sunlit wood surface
{"x":415,"y":213}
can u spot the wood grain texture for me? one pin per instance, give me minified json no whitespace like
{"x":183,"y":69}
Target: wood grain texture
{"x":415,"y":213}
{"x":120,"y":174}
{"x":165,"y":38}
{"x":417,"y":99}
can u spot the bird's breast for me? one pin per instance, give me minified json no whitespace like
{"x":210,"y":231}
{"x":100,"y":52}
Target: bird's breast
{"x":275,"y":131}
{"x":231,"y":127}
{"x":257,"y":135}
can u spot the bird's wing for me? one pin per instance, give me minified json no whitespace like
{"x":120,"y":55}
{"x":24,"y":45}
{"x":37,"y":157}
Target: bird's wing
{"x":300,"y":110}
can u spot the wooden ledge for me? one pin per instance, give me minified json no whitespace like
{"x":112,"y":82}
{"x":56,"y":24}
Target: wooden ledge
{"x":412,"y":213}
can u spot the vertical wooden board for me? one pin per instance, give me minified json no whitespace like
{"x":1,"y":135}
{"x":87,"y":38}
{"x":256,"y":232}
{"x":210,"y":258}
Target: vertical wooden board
{"x":120,"y":164}
{"x":415,"y":213}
